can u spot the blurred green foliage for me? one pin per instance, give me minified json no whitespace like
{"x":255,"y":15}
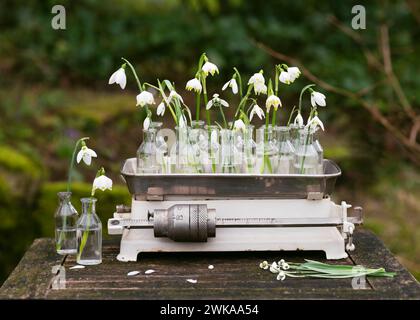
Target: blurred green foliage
{"x":53,"y":90}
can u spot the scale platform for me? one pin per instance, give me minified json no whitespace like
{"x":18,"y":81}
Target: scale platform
{"x":233,"y":212}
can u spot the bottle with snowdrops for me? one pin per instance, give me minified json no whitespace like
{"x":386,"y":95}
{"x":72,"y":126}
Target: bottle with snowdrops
{"x":89,"y":226}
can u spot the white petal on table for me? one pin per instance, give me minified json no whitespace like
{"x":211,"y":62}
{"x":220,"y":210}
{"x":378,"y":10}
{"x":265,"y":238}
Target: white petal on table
{"x":149,"y":271}
{"x":211,"y":267}
{"x":133,"y":273}
{"x":77,"y":267}
{"x":192,"y":280}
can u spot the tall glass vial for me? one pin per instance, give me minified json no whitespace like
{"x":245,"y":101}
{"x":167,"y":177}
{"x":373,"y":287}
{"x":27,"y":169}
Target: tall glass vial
{"x":294,"y":130}
{"x":227,"y":157}
{"x":249,"y":151}
{"x":89,"y":234}
{"x":146,"y":153}
{"x":267,"y":157}
{"x":318,"y":147}
{"x":179,"y":152}
{"x":285,"y":150}
{"x":212,"y":162}
{"x":306,"y":157}
{"x":65,"y":225}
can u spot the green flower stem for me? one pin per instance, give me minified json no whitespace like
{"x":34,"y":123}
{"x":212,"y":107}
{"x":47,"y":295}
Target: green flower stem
{"x":238,"y":75}
{"x":198,"y":106}
{"x":73,"y":158}
{"x":141,"y":88}
{"x":86,"y":232}
{"x":223,"y":116}
{"x":301,"y":95}
{"x":306,"y":143}
{"x":162,"y":92}
{"x":266,"y":160}
{"x":291,"y":114}
{"x":273,"y":121}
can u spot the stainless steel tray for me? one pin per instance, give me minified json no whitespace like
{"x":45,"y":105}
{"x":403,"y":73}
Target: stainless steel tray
{"x":290,"y":186}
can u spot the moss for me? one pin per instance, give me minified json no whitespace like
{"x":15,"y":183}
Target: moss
{"x":48,"y":202}
{"x":12,"y":160}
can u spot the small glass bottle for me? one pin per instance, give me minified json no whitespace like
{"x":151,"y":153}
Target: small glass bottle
{"x":179,"y":152}
{"x":294,"y":134}
{"x":89,"y":234}
{"x":227,"y":159}
{"x":65,"y":225}
{"x":267,"y":157}
{"x":249,"y":151}
{"x":146,"y":153}
{"x":306,"y":157}
{"x":196,"y":137}
{"x":320,"y":150}
{"x":285,"y":150}
{"x":212,"y":162}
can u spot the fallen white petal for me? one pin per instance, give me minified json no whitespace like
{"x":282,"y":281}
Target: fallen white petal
{"x":191,"y":280}
{"x":77,"y":267}
{"x":133,"y":273}
{"x":211,"y":267}
{"x":149,"y":271}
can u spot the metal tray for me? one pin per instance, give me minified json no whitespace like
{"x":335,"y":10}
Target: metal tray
{"x":286,"y":186}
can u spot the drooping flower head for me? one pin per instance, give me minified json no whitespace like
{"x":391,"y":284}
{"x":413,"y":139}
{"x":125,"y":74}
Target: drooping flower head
{"x":256,"y":110}
{"x":119,"y":77}
{"x":216,"y":101}
{"x":194,"y":85}
{"x":314,"y":123}
{"x":101,"y":182}
{"x":232,"y":84}
{"x":145,"y":98}
{"x":239,"y":125}
{"x":209,"y":68}
{"x":86,"y":154}
{"x":298,"y":120}
{"x":317,"y":99}
{"x":258,"y":81}
{"x":272,"y":101}
{"x":160,"y":111}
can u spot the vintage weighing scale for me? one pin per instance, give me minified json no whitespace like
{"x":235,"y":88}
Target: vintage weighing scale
{"x":233,"y":212}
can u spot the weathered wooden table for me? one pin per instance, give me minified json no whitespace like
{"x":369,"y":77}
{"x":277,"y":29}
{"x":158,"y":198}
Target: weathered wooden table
{"x":235,"y":276}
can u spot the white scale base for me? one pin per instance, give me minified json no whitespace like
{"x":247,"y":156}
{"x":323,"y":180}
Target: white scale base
{"x":329,"y":239}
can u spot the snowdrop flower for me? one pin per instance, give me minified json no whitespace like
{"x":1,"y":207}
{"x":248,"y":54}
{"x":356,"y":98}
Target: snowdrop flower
{"x":194,"y":85}
{"x":264,"y":265}
{"x":144,"y":98}
{"x":314,"y":123}
{"x":274,"y":268}
{"x":232,"y":84}
{"x":146,"y":123}
{"x":298,"y":120}
{"x":285,"y":77}
{"x":258,"y":111}
{"x":216,"y":101}
{"x":285,"y":266}
{"x":260,"y":88}
{"x":317,"y":98}
{"x":86,"y":154}
{"x":294,"y":73}
{"x":239,"y":125}
{"x":272,"y":101}
{"x":161,"y":109}
{"x":174,"y":95}
{"x":281,"y":276}
{"x":209,"y":67}
{"x":102,"y":183}
{"x":119,"y":77}
{"x":257,"y":78}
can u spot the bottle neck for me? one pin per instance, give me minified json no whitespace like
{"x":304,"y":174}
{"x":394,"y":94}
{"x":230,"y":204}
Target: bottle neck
{"x":64,"y":197}
{"x":149,"y":135}
{"x":306,"y":137}
{"x":88,"y":205}
{"x":283,"y":134}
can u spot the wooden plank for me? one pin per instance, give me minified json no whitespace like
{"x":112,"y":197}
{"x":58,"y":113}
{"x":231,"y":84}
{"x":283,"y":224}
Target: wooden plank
{"x":32,"y":276}
{"x":236,"y":275}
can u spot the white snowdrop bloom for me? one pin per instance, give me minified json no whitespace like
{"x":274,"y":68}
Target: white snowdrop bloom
{"x":133,"y":273}
{"x":314,"y":123}
{"x":298,"y":120}
{"x":118,"y":77}
{"x":260,"y":88}
{"x":258,"y":111}
{"x":256,"y":78}
{"x":285,"y":266}
{"x":272,"y":101}
{"x":86,"y":154}
{"x":194,"y":85}
{"x":174,"y":95}
{"x":317,"y":98}
{"x":149,"y":271}
{"x":264,"y":265}
{"x":209,"y":67}
{"x":281,"y":276}
{"x":77,"y":267}
{"x":232,"y":84}
{"x":211,"y":267}
{"x":192,"y":280}
{"x":102,"y":183}
{"x":285,"y":77}
{"x":144,"y":98}
{"x":239,"y":125}
{"x":294,"y":73}
{"x":146,"y":123}
{"x":216,"y":101}
{"x":160,"y":111}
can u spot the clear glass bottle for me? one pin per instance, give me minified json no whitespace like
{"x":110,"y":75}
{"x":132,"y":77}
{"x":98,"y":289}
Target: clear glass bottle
{"x":320,"y":150}
{"x":65,"y":225}
{"x":294,"y":134}
{"x":196,"y":150}
{"x":146,"y":153}
{"x":286,"y":151}
{"x":306,"y":157}
{"x":89,"y":234}
{"x":248,"y":164}
{"x":212,"y":161}
{"x":267,"y":157}
{"x":179,"y":152}
{"x":227,"y":158}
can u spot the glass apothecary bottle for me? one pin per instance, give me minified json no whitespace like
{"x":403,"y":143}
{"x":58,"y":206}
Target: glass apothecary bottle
{"x":212,"y":161}
{"x":227,"y":158}
{"x":320,"y":151}
{"x":267,"y":157}
{"x":249,"y":151}
{"x":65,"y":225}
{"x":294,"y":130}
{"x":89,"y":234}
{"x":179,"y":152}
{"x":286,"y":151}
{"x":146,"y":154}
{"x":306,"y":157}
{"x":196,"y":149}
